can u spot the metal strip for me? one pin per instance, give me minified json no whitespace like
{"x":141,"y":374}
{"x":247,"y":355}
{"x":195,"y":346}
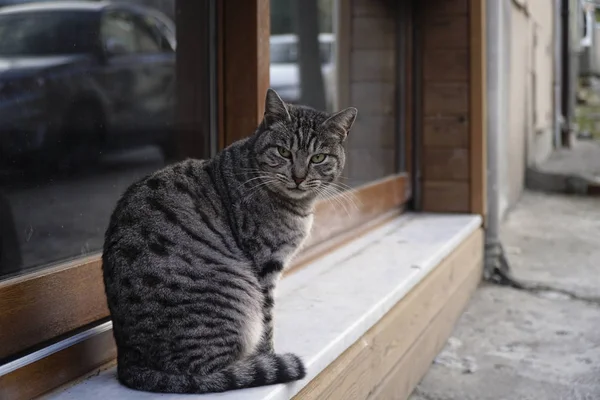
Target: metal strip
{"x":47,"y":351}
{"x":417,"y":143}
{"x":401,"y":95}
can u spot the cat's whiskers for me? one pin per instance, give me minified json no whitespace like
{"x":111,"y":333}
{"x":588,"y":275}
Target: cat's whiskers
{"x":323,"y":196}
{"x":349,"y":194}
{"x":344,"y":196}
{"x":247,"y":171}
{"x":332,"y":195}
{"x":264,"y":176}
{"x":253,"y":190}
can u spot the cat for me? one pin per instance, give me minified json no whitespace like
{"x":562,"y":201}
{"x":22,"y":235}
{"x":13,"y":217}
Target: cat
{"x":193,"y":252}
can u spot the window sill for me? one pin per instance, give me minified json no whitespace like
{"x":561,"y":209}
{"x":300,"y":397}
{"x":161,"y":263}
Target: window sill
{"x":325,"y":308}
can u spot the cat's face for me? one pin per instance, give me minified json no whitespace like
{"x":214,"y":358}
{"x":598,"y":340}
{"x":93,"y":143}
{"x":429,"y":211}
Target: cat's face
{"x":300,"y":151}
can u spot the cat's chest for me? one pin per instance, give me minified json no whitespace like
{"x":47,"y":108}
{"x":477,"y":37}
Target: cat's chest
{"x":301,"y":233}
{"x":300,"y":228}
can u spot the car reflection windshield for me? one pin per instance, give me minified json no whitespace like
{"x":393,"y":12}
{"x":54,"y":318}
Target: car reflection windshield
{"x":49,"y":33}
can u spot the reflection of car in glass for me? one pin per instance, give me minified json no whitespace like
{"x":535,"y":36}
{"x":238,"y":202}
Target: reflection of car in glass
{"x":285,"y":75}
{"x":84,"y":75}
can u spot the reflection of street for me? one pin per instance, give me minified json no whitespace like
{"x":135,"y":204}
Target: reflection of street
{"x":56,"y":219}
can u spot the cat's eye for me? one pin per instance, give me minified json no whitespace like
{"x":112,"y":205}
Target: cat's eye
{"x":283,"y":152}
{"x":317,"y":158}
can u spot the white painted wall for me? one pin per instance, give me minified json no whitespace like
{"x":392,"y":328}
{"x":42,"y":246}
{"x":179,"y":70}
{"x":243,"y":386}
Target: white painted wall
{"x":530,"y":100}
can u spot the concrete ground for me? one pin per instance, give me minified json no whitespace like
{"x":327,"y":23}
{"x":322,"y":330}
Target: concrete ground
{"x":569,"y":170}
{"x":582,"y":159}
{"x":515,"y":345}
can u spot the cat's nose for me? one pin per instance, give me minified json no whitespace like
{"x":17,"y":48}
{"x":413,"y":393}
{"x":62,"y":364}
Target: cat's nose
{"x":298,"y":180}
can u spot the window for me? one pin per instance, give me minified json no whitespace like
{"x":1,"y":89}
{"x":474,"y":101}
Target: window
{"x":160,"y":29}
{"x":587,"y":24}
{"x":302,"y":55}
{"x":311,"y":53}
{"x":149,"y":37}
{"x":75,"y":135}
{"x":46,"y":33}
{"x":327,"y":55}
{"x":78,"y":125}
{"x":76,"y":131}
{"x":126,"y":33}
{"x":118,"y":30}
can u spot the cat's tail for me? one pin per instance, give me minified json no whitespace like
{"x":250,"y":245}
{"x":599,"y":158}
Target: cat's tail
{"x":258,"y":370}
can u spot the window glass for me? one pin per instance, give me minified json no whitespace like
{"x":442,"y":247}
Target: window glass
{"x":118,"y":32}
{"x":78,"y":124}
{"x":46,"y":34}
{"x":302,"y":52}
{"x":148,"y":36}
{"x":304,"y":69}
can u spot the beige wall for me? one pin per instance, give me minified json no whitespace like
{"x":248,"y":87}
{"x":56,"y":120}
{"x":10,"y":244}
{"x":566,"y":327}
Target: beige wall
{"x":530,"y":95}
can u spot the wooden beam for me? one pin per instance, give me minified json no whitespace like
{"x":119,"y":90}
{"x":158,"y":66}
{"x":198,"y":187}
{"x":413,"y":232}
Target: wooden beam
{"x":405,"y":376}
{"x":59,"y":368}
{"x":477,"y":108}
{"x":42,"y":306}
{"x":246,"y":32}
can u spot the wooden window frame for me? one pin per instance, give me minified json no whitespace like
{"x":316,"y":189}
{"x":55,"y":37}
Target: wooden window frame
{"x":46,"y":306}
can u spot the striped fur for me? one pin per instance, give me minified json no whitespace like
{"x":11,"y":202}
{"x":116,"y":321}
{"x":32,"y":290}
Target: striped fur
{"x":193,"y":253}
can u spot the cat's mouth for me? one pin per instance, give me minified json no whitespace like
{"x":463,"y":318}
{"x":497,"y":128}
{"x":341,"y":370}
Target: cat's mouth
{"x":297,"y":192}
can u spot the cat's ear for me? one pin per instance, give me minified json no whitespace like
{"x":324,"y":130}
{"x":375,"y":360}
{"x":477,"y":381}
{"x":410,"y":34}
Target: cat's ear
{"x":275,"y":108}
{"x":341,"y":122}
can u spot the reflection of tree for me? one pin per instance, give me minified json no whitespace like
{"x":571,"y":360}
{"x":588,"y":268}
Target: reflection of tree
{"x":282,"y":16}
{"x":309,"y":61}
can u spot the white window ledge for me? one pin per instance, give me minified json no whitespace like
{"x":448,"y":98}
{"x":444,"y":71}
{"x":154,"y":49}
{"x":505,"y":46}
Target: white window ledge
{"x":324,"y":308}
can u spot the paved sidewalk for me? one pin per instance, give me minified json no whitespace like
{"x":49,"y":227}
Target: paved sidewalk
{"x":517,"y":345}
{"x":582,"y":159}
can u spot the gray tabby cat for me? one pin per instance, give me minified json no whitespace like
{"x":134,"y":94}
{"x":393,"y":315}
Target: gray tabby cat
{"x":193,"y":252}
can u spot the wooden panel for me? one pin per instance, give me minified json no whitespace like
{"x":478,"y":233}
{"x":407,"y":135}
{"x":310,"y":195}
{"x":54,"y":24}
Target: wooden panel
{"x":445,"y":98}
{"x":445,"y":164}
{"x":373,"y":33}
{"x":446,"y":65}
{"x":446,"y":196}
{"x":446,"y":32}
{"x":401,"y":382}
{"x":453,"y":108}
{"x":359,"y":370}
{"x":477,"y":108}
{"x":449,"y":7}
{"x":371,"y":8}
{"x":53,"y":371}
{"x":246,"y":32}
{"x":38,"y":307}
{"x":446,"y":131}
{"x":374,"y":65}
